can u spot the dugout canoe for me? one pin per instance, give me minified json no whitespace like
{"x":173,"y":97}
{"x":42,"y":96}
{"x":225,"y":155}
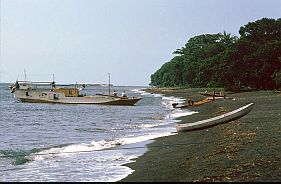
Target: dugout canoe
{"x":212,"y":94}
{"x":224,"y":118}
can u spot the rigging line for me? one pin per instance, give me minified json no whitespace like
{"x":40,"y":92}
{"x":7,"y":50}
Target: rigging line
{"x":132,"y":147}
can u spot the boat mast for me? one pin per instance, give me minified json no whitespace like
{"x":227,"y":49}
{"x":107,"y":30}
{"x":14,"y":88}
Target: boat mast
{"x":53,"y":77}
{"x":108,"y":83}
{"x":53,"y":83}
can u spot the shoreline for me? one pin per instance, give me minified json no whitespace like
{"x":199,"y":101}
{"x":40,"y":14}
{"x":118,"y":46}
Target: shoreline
{"x":246,"y":149}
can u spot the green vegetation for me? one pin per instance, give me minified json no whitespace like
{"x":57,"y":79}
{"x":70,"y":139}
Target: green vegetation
{"x":251,"y":61}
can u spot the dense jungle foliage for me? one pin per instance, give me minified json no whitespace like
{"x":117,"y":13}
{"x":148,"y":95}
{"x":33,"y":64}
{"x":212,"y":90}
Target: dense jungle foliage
{"x":251,"y":61}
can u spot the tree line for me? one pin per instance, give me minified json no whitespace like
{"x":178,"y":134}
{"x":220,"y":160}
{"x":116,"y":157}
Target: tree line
{"x":251,"y":61}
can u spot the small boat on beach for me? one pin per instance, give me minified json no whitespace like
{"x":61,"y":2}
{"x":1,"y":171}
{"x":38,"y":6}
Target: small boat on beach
{"x":192,"y":103}
{"x":33,"y":92}
{"x":212,"y":94}
{"x":224,"y":118}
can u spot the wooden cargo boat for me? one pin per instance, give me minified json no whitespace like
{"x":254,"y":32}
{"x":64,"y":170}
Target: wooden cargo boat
{"x":25,"y":92}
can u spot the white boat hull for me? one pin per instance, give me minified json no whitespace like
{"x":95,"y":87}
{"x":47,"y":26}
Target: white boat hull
{"x":33,"y":96}
{"x":230,"y":116}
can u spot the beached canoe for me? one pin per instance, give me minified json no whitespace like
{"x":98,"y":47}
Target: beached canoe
{"x":224,"y":118}
{"x":212,"y":94}
{"x":192,"y":103}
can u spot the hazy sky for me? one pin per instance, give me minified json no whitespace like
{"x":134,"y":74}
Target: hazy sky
{"x":84,"y":40}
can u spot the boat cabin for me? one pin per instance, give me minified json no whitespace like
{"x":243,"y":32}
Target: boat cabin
{"x":68,"y":92}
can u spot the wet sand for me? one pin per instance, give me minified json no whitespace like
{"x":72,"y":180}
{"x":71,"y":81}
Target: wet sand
{"x":247,"y":149}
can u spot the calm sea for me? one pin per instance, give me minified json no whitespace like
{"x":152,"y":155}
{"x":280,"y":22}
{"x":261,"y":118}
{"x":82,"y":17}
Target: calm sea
{"x":56,"y":142}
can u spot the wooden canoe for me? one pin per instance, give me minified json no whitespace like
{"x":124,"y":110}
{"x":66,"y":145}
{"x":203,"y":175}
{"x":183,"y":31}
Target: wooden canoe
{"x":194,"y":104}
{"x":224,"y":118}
{"x":212,"y":94}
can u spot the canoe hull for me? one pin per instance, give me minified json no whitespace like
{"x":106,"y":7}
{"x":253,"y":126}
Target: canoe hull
{"x":212,"y":95}
{"x":225,"y":118}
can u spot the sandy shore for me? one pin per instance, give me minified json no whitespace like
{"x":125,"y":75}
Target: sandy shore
{"x":247,"y":149}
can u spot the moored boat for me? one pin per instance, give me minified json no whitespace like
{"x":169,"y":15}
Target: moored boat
{"x":224,"y":118}
{"x":29,"y":92}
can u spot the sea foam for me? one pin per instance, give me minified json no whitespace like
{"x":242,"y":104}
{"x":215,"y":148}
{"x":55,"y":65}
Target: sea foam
{"x":161,"y":127}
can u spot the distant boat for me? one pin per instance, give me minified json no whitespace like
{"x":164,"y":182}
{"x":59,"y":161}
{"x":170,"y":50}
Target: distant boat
{"x":29,"y":92}
{"x":106,"y":85}
{"x":212,"y":94}
{"x":230,"y":116}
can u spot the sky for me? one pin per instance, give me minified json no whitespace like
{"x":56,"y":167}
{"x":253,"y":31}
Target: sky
{"x":83,"y":41}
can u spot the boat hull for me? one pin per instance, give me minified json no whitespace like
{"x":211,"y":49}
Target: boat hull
{"x":128,"y":102}
{"x":207,"y":123}
{"x":59,"y":98}
{"x":131,"y":101}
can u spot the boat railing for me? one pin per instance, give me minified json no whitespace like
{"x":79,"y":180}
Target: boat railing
{"x":31,"y":85}
{"x":36,"y":82}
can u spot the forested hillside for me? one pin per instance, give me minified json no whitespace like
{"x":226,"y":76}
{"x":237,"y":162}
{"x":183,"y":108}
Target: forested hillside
{"x":250,"y":61}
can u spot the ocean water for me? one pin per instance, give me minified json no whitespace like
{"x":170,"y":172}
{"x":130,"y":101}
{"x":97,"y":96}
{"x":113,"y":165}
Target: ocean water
{"x":56,"y":142}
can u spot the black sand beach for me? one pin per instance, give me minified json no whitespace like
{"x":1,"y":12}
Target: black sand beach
{"x":247,"y":149}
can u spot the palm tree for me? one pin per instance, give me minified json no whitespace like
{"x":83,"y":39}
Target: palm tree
{"x":227,"y":38}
